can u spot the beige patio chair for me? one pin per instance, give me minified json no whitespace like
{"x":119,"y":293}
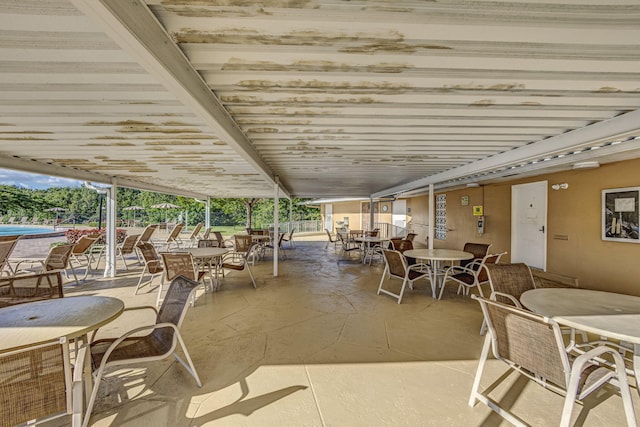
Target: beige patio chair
{"x":193,"y":238}
{"x":411,"y":236}
{"x":6,"y":248}
{"x":128,"y":247}
{"x":39,"y":383}
{"x":206,"y":234}
{"x":208,"y":243}
{"x":347,"y":245}
{"x":30,"y":287}
{"x":81,"y":256}
{"x":178,"y":264}
{"x":479,"y":251}
{"x":472,"y":275}
{"x":147,"y":233}
{"x":270,"y":246}
{"x":533,"y":346}
{"x":332,"y":239}
{"x":152,"y":263}
{"x":396,"y":266}
{"x":173,"y":241}
{"x":160,"y":341}
{"x":222,"y":242}
{"x":56,"y":260}
{"x":509,"y":281}
{"x":239,"y":260}
{"x":289,"y":239}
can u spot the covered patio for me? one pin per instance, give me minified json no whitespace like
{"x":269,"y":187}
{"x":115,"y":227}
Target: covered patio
{"x":317,"y":347}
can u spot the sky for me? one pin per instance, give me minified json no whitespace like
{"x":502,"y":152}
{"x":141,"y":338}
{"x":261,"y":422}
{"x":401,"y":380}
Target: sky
{"x":34,"y":181}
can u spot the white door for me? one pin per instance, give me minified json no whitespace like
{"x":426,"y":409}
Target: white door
{"x":328,"y":217}
{"x":529,"y":224}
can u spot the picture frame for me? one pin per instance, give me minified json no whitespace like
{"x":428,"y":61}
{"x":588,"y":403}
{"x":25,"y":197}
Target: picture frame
{"x":621,"y":214}
{"x":464,"y":200}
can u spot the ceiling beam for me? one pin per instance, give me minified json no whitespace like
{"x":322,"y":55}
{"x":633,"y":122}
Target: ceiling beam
{"x":605,"y":129}
{"x":134,"y":28}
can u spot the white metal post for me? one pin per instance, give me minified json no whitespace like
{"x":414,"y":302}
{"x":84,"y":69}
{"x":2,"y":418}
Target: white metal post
{"x":110,"y":266}
{"x":207,"y":214}
{"x":276,"y":227}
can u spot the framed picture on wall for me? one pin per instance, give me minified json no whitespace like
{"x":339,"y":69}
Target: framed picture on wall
{"x":621,"y":214}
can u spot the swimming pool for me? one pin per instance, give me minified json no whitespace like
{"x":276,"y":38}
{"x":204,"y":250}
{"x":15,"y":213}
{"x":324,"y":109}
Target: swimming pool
{"x":8,"y":230}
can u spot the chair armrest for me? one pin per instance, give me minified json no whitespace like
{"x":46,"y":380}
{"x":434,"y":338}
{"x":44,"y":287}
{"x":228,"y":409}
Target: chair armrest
{"x":142,"y":307}
{"x":511,"y":298}
{"x":127,"y":334}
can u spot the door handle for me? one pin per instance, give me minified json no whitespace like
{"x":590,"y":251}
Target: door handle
{"x":542,"y":229}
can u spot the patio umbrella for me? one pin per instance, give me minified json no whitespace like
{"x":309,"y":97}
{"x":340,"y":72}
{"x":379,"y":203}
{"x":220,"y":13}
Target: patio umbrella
{"x":134,"y":209}
{"x":57,"y":210}
{"x":166,"y":206}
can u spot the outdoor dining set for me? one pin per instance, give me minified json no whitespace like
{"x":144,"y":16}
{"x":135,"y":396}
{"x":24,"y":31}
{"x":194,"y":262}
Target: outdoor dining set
{"x":570,"y":340}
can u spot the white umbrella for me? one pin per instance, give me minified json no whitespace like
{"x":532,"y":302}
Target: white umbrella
{"x":57,"y":210}
{"x":134,"y":209}
{"x":167,"y":206}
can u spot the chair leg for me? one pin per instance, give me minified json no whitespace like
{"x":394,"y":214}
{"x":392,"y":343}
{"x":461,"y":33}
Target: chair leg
{"x":384,"y":275}
{"x":189,"y":364}
{"x":252,"y":278}
{"x":476,"y":381}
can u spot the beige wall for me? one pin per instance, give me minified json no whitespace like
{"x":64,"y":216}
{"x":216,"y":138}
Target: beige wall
{"x":346,"y":209}
{"x":575,"y":213}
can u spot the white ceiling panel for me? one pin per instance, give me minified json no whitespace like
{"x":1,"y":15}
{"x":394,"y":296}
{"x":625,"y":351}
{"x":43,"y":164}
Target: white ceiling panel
{"x":328,"y":98}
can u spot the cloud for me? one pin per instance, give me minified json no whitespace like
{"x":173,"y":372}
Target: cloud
{"x":35,"y":181}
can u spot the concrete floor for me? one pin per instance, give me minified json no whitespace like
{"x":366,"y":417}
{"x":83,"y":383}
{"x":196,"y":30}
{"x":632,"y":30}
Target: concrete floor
{"x":316,"y":346}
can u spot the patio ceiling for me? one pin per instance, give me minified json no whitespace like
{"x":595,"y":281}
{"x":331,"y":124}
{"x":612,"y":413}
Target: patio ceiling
{"x":328,"y":98}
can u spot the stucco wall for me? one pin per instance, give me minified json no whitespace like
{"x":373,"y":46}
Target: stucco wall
{"x":574,"y":212}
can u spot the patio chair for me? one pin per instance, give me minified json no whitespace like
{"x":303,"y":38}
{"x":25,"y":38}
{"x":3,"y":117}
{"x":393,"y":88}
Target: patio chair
{"x":270,"y":245}
{"x":173,"y":239}
{"x":193,"y":238}
{"x":208,"y":243}
{"x":239,"y":260}
{"x":222,"y":242}
{"x":472,"y":275}
{"x":289,"y":239}
{"x":147,"y":233}
{"x":396,"y":266}
{"x":509,"y":281}
{"x":39,"y":383}
{"x":479,"y":251}
{"x":532,"y":345}
{"x":206,"y":234}
{"x":411,"y":236}
{"x":152,"y":263}
{"x":56,"y":260}
{"x":178,"y":264}
{"x":11,"y":220}
{"x":30,"y":287}
{"x":6,"y":248}
{"x":81,"y":254}
{"x":332,"y":239}
{"x":160,"y":342}
{"x":128,"y":247}
{"x":347,"y":245}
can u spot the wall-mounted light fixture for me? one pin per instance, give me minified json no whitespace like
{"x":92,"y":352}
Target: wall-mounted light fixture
{"x":562,"y":186}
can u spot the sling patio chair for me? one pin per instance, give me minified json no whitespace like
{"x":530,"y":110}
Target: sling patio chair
{"x":396,"y":267}
{"x":532,"y":345}
{"x":160,"y":341}
{"x":347,"y":244}
{"x":128,"y":247}
{"x":288,"y":237}
{"x":178,"y":264}
{"x":6,"y":248}
{"x":81,"y":256}
{"x":173,"y":241}
{"x":56,"y":260}
{"x":152,"y":264}
{"x":39,"y":383}
{"x":332,"y":239}
{"x":147,"y":233}
{"x":239,"y":260}
{"x":193,"y":238}
{"x":472,"y":275}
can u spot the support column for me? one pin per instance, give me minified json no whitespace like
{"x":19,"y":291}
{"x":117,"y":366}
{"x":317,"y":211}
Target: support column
{"x":207,"y":214}
{"x":110,"y":266}
{"x":432,"y":215}
{"x":371,"y":216}
{"x":276,"y":226}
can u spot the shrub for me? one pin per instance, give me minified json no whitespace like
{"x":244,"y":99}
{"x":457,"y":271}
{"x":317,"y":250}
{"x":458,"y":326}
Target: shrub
{"x":74,"y":235}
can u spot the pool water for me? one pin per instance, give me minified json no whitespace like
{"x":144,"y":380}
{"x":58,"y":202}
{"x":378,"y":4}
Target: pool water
{"x":8,"y":230}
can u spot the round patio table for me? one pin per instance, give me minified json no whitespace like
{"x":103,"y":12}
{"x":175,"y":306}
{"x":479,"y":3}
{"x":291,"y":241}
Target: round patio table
{"x":209,"y":257}
{"x":436,"y":256}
